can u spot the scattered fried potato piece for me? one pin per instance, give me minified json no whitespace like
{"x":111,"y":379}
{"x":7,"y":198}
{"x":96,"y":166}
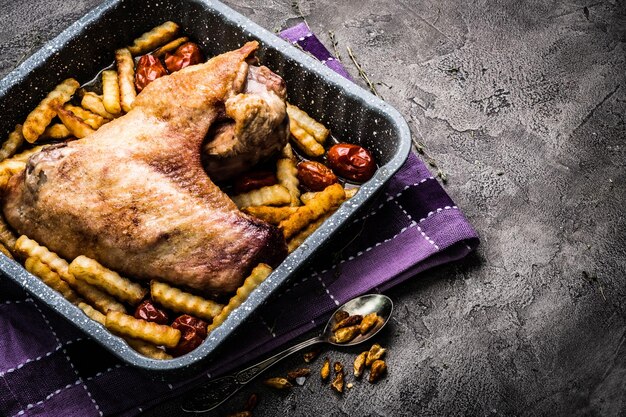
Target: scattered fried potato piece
{"x":111,"y":92}
{"x":278,"y":383}
{"x":155,"y":37}
{"x":368,"y":322}
{"x":379,"y":369}
{"x":287,"y":175}
{"x":338,"y":381}
{"x":74,"y":123}
{"x":298,"y":373}
{"x":311,"y":355}
{"x":257,"y":276}
{"x":7,"y":237}
{"x":309,"y":124}
{"x":92,"y":313}
{"x":128,"y":326}
{"x":26,"y":247}
{"x":170,"y":47}
{"x":321,"y":204}
{"x":345,"y":334}
{"x":302,"y":235}
{"x":93,"y":120}
{"x":376,"y":352}
{"x":359,"y":364}
{"x":325,"y":371}
{"x":93,"y":273}
{"x":147,"y":349}
{"x":271,"y":195}
{"x":56,"y":131}
{"x":93,"y":103}
{"x":184,"y":302}
{"x":36,"y":267}
{"x":13,"y":142}
{"x":348,"y":321}
{"x":126,"y":78}
{"x":272,"y":215}
{"x":37,"y":121}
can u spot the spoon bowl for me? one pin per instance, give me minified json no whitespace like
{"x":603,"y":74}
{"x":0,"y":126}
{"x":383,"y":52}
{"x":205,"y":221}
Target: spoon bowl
{"x":362,"y":306}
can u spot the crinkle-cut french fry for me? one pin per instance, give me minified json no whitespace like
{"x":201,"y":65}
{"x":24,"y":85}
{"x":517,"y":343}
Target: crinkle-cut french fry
{"x":287,"y":152}
{"x":257,"y":276}
{"x":299,"y":238}
{"x":23,"y":156}
{"x":93,"y":103}
{"x":14,"y":141}
{"x":170,"y":47}
{"x":26,"y":247}
{"x":56,"y":131}
{"x":272,"y":215}
{"x":126,"y":78}
{"x":74,"y":123}
{"x":92,"y":119}
{"x":5,"y":251}
{"x":147,"y":349}
{"x":305,"y":141}
{"x":158,"y":334}
{"x":309,"y":124}
{"x":7,"y":237}
{"x":183,"y":302}
{"x":37,"y":121}
{"x":308,"y":196}
{"x":351,"y":192}
{"x":271,"y":195}
{"x":50,"y":278}
{"x":93,"y":273}
{"x":8,"y":168}
{"x":92,"y":313}
{"x":155,"y":37}
{"x":321,"y":204}
{"x":287,"y":175}
{"x":111,"y":92}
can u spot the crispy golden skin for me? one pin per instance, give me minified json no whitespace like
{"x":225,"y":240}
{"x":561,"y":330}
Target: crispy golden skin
{"x":134,"y":196}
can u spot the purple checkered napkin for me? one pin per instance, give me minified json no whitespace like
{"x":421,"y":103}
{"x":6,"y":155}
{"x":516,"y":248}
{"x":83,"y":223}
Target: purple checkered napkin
{"x":49,"y":368}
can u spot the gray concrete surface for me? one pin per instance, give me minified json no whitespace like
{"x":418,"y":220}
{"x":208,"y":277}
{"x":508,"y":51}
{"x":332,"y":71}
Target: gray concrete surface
{"x":522,"y":104}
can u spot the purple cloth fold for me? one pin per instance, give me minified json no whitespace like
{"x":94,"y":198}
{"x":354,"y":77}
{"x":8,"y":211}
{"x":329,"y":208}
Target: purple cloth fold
{"x":48,"y":367}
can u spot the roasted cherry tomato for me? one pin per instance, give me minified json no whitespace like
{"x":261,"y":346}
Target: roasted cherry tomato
{"x":193,"y":332}
{"x":149,"y":312}
{"x":315,"y":176}
{"x":254,"y":180}
{"x":187,"y":54}
{"x":351,"y":161}
{"x":149,"y":69}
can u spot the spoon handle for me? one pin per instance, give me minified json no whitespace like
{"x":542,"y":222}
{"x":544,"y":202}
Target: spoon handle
{"x":213,"y":393}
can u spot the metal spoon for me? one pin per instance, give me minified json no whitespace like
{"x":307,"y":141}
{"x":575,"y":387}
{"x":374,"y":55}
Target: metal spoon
{"x":215,"y":392}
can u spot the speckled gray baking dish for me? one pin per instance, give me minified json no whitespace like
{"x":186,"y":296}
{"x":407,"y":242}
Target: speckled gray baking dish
{"x":353,"y":114}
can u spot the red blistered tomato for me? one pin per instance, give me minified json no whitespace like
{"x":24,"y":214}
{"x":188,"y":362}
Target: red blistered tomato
{"x":315,"y":176}
{"x":254,"y":180}
{"x":149,"y":68}
{"x":193,"y":332}
{"x":149,"y":312}
{"x":187,"y":54}
{"x":351,"y":161}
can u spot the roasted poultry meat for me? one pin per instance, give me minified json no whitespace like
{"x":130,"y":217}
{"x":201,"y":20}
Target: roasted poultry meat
{"x":134,"y":194}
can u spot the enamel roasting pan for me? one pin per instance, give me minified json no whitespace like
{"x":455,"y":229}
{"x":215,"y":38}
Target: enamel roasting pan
{"x":82,"y":50}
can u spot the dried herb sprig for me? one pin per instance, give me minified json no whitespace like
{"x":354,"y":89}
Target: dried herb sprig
{"x":363,"y":74}
{"x":335,"y":44}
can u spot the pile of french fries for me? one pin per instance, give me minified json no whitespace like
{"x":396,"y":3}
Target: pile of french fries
{"x":69,"y":112}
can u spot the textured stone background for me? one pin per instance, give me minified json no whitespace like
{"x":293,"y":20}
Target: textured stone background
{"x":522,"y":104}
